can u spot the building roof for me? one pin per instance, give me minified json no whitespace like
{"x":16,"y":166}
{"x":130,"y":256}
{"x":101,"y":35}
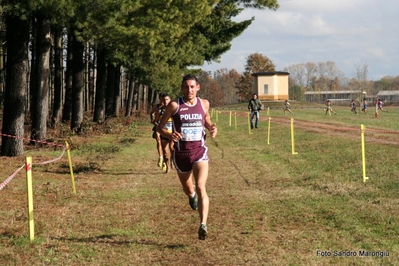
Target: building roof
{"x":332,"y":92}
{"x":386,"y":93}
{"x":270,"y":73}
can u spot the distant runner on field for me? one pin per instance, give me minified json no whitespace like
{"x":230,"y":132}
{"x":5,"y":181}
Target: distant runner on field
{"x":329,"y":108}
{"x":287,"y":107}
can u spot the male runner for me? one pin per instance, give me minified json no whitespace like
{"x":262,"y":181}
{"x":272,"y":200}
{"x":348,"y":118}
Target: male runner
{"x":190,"y":116}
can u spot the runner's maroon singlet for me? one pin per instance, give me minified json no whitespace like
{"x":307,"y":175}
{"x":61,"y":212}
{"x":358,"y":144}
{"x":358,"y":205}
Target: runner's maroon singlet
{"x":189,"y":120}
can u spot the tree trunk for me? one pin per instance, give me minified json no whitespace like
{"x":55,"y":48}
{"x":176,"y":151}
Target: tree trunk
{"x":135,"y":96}
{"x":140,"y":98}
{"x":130,"y":96}
{"x":145,"y":98}
{"x":77,"y":86}
{"x":1,"y":71}
{"x":40,"y":105}
{"x":117,"y":94}
{"x":66,"y":114}
{"x":87,"y":78}
{"x":58,"y":63}
{"x":17,"y":35}
{"x":110,"y":91}
{"x":101,"y":82}
{"x":31,"y":90}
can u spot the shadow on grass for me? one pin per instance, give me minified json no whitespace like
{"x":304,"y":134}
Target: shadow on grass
{"x":107,"y":172}
{"x":115,"y":240}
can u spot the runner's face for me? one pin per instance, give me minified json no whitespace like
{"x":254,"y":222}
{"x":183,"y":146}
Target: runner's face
{"x":166,"y":100}
{"x":190,"y":88}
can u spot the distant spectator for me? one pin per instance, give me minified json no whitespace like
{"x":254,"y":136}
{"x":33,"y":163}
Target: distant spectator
{"x":254,"y":106}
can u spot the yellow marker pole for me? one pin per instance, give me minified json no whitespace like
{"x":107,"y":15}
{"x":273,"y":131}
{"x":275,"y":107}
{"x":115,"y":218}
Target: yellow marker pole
{"x":230,"y":119}
{"x":28,"y":166}
{"x":217,"y":116}
{"x":249,"y":123}
{"x":268,"y":132}
{"x":268,"y":111}
{"x":362,"y":129}
{"x":292,"y":137}
{"x":235,"y":120}
{"x":70,"y":167}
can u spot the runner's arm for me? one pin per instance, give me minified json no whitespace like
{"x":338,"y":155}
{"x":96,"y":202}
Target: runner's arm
{"x":208,"y":124}
{"x":152,"y":113}
{"x":169,"y":111}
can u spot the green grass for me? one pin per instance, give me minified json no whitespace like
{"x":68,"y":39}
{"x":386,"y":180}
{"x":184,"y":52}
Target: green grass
{"x":268,"y":206}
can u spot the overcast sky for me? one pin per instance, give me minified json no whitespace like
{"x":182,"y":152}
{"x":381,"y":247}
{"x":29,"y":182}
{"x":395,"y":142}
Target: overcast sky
{"x":350,"y":33}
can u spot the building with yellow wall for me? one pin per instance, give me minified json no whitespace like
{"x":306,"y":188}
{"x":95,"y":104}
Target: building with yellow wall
{"x":272,"y":86}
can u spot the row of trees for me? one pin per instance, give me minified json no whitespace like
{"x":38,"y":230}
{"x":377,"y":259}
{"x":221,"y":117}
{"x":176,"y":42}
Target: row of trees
{"x":325,"y":76}
{"x":228,"y":86}
{"x":148,"y":43}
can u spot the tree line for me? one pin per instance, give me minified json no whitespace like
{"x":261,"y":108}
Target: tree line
{"x":226,"y":86}
{"x":325,"y":76}
{"x":63,"y":58}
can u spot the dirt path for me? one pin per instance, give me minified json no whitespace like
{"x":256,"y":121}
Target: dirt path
{"x":371,"y":134}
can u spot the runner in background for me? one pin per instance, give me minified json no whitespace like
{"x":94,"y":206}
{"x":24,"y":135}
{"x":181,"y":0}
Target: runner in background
{"x":155,"y":134}
{"x":353,"y":107}
{"x":167,"y":144}
{"x":287,"y":107}
{"x":380,"y":103}
{"x":364,"y":109}
{"x":329,"y":108}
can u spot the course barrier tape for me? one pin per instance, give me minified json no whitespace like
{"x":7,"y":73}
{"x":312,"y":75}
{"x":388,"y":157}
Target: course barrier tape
{"x":53,"y":160}
{"x":37,"y":141}
{"x":5,"y":183}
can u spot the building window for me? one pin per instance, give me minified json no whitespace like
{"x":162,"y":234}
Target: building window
{"x":265,"y":89}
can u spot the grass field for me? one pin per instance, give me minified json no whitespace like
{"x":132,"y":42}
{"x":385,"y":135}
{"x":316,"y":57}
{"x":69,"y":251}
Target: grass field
{"x":267,"y":206}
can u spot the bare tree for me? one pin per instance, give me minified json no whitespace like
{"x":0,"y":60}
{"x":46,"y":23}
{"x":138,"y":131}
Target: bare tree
{"x":361,"y":72}
{"x":227,"y":81}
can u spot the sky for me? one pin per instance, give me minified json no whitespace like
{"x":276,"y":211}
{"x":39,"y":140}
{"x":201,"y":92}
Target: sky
{"x":351,"y":33}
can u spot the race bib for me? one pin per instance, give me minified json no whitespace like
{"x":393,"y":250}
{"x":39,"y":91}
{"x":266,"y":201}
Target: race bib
{"x":168,"y":126}
{"x":191,"y":133}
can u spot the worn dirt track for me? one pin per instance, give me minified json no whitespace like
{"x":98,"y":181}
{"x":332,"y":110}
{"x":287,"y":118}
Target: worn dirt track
{"x":372,"y":135}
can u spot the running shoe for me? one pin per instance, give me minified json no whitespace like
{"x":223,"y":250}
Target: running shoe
{"x":193,"y":201}
{"x":202,"y":231}
{"x":164,"y":167}
{"x":160,"y":162}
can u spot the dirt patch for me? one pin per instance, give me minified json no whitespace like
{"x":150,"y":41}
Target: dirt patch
{"x":372,"y":135}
